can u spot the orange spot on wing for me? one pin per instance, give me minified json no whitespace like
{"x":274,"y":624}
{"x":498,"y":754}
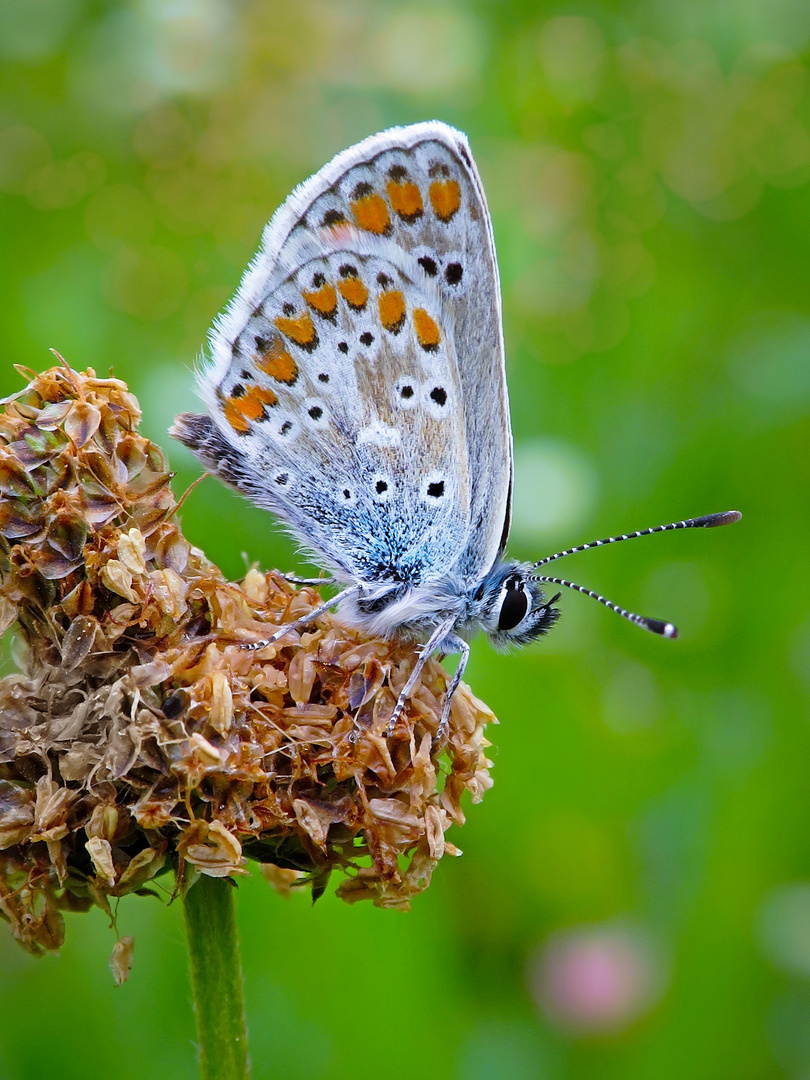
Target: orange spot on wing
{"x":371,"y":214}
{"x":252,"y":403}
{"x":298,"y":329}
{"x":323,"y":300}
{"x":406,"y":199}
{"x":445,"y":198}
{"x":353,"y":292}
{"x":266,"y":397}
{"x":392,"y":310}
{"x":274,"y":360}
{"x":248,"y":406}
{"x":427,"y":331}
{"x":235,"y":416}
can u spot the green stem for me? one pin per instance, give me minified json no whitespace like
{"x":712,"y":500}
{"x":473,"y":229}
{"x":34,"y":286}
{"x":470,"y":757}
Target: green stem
{"x":216,"y":979}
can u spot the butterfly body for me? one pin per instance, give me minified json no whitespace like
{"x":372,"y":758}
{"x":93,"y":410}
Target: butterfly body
{"x":413,"y":611}
{"x":357,"y":390}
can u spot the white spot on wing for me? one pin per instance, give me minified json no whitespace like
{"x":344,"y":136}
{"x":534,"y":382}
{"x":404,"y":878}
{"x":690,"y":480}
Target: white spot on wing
{"x":379,"y":434}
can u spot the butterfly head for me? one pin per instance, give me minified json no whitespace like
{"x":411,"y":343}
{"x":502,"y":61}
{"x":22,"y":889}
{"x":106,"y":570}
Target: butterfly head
{"x":514,"y":609}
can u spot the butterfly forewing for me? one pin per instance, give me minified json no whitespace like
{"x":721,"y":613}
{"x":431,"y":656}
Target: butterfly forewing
{"x":414,"y":195}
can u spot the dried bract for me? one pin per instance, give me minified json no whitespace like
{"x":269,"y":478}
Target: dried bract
{"x":139,"y":738}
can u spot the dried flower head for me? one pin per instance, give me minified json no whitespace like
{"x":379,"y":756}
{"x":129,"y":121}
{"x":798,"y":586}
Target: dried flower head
{"x":139,"y":738}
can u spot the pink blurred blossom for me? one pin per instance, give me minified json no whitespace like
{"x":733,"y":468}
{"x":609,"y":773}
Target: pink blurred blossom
{"x":596,"y":980}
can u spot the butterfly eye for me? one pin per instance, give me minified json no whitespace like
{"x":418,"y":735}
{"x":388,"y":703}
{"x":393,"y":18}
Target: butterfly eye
{"x":514,"y":604}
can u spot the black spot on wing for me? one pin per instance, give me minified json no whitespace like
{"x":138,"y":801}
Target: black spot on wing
{"x":332,"y":218}
{"x":453,"y":273}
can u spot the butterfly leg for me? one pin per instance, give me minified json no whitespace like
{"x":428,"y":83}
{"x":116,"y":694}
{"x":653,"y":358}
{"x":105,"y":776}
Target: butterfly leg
{"x":426,"y":651}
{"x":452,"y":644}
{"x":293,"y":580}
{"x":253,"y":646}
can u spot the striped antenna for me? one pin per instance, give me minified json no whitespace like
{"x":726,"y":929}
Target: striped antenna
{"x":708,"y":521}
{"x":656,"y":626}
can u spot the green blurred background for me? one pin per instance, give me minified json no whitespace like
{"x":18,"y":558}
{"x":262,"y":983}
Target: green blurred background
{"x":634,"y":896}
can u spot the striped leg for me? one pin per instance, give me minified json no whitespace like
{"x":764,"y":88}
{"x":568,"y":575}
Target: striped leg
{"x":253,"y":646}
{"x":436,"y":639}
{"x":453,"y":644}
{"x":293,"y":580}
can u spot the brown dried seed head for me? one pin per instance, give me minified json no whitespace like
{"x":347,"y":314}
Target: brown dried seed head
{"x":140,"y":739}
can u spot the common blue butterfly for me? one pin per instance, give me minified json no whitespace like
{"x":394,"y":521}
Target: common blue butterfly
{"x":357,"y":390}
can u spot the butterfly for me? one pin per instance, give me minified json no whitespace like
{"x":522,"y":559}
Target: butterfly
{"x":357,"y":390}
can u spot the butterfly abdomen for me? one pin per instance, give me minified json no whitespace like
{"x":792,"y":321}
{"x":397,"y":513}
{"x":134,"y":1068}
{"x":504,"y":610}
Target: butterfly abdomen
{"x":202,"y":437}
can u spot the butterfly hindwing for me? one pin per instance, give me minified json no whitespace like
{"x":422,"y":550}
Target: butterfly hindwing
{"x":414,"y":191}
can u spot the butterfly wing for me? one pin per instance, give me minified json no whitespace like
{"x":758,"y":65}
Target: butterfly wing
{"x":416,"y":188}
{"x":340,"y":409}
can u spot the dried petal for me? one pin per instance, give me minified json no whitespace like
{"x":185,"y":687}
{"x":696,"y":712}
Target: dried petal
{"x":151,"y":674}
{"x":206,"y":750}
{"x":132,"y":454}
{"x":82,"y":422}
{"x":78,"y":641}
{"x":34,"y":448}
{"x":79,"y":601}
{"x":51,"y":810}
{"x":121,"y":959}
{"x":100,"y":853}
{"x":312,"y":821}
{"x":16,"y":814}
{"x":14,"y":480}
{"x":169,"y":591}
{"x":434,"y":829}
{"x":131,"y":549}
{"x":142,"y":868}
{"x":212,"y":849}
{"x":118,"y":579}
{"x":53,"y":415}
{"x":67,"y":533}
{"x":283,"y":880}
{"x":301,"y":677}
{"x":221,"y":715}
{"x":52,"y":565}
{"x":172,"y":551}
{"x":366,"y":683}
{"x":8,"y":613}
{"x":18,"y":521}
{"x":103,"y":821}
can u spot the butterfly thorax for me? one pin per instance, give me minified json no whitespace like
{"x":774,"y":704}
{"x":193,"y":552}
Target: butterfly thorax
{"x":408,"y":610}
{"x":506,"y":604}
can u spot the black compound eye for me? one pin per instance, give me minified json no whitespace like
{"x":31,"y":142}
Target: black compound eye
{"x":514,"y":605}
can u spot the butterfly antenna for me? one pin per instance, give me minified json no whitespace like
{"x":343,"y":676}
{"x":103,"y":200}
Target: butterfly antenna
{"x":708,"y":521}
{"x":655,"y":626}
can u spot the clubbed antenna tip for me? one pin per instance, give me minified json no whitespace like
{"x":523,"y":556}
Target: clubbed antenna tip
{"x":712,"y":521}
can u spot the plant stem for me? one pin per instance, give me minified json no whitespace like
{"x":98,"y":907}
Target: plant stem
{"x":216,"y":979}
